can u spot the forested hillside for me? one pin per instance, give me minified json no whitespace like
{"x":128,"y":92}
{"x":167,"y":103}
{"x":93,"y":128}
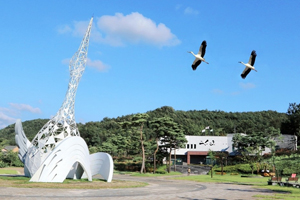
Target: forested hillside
{"x":222,"y":122}
{"x":7,"y":135}
{"x":108,"y":131}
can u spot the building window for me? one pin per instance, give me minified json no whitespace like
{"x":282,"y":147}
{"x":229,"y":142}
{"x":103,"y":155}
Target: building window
{"x":191,"y":146}
{"x":187,"y":146}
{"x":194,"y":146}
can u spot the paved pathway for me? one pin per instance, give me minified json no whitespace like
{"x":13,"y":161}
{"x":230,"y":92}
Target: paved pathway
{"x":159,"y":188}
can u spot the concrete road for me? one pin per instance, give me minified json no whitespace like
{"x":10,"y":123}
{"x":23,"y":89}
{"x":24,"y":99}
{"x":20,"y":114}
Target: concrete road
{"x":159,"y":188}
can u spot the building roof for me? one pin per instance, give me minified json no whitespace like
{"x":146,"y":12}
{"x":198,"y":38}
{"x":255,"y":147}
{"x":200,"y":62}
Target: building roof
{"x":10,"y":148}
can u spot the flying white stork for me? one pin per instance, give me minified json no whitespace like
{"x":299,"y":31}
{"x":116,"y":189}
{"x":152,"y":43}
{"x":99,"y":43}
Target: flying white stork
{"x":199,"y":56}
{"x":249,"y":65}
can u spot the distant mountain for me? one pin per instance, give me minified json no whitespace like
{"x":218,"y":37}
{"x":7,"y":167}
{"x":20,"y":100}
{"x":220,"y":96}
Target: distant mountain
{"x":194,"y":122}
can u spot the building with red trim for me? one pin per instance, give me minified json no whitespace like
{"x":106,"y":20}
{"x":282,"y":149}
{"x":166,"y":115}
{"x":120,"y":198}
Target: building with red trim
{"x":197,"y":147}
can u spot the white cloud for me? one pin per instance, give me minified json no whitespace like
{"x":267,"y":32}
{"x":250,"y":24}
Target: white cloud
{"x":66,"y":61}
{"x":190,"y":11}
{"x":136,"y":28}
{"x":244,"y":86}
{"x":5,"y":120}
{"x":77,"y":29}
{"x":9,"y":115}
{"x":218,"y":91}
{"x":235,"y":93}
{"x":119,"y":29}
{"x":64,"y":29}
{"x":80,"y":28}
{"x":247,"y":85}
{"x":178,"y":6}
{"x":25,"y":107}
{"x":97,"y":64}
{"x":4,"y":109}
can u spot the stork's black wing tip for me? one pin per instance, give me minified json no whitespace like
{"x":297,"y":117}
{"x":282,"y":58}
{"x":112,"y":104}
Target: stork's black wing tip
{"x":196,"y":64}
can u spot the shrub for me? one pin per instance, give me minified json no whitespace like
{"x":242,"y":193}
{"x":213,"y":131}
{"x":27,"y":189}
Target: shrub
{"x":123,"y":159}
{"x":137,"y":159}
{"x":93,"y":150}
{"x":9,"y":158}
{"x":160,"y":171}
{"x":231,"y":168}
{"x":283,"y":152}
{"x":287,"y":167}
{"x":119,"y":166}
{"x":127,"y":166}
{"x":240,"y":168}
{"x":245,"y":168}
{"x":220,"y":173}
{"x":2,"y":164}
{"x":132,"y":166}
{"x":18,"y":163}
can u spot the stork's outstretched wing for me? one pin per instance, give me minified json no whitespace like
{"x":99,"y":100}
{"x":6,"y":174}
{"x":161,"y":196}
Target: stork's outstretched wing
{"x":245,"y":72}
{"x":196,"y":63}
{"x":202,"y":49}
{"x":252,"y":58}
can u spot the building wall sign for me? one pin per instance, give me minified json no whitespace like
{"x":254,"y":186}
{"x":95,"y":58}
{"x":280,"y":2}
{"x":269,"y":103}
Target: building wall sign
{"x":207,"y":142}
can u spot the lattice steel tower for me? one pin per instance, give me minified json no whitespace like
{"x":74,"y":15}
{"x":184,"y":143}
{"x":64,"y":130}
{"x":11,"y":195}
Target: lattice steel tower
{"x":63,"y":124}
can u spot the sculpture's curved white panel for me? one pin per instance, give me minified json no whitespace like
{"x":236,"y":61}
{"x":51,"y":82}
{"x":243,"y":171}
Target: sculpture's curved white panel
{"x":22,"y":142}
{"x":32,"y":161}
{"x":58,"y":164}
{"x":57,"y":151}
{"x":102,"y":163}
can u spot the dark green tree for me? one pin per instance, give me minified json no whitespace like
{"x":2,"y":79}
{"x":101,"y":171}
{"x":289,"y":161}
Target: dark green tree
{"x":10,"y":158}
{"x":172,"y":137}
{"x":291,"y":126}
{"x":137,"y":124}
{"x":90,"y":132}
{"x":213,"y":159}
{"x":109,"y":147}
{"x":160,"y":129}
{"x":251,"y":146}
{"x":221,"y":157}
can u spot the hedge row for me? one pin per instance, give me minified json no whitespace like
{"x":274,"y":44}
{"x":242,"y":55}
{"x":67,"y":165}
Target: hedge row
{"x":10,"y":159}
{"x":284,"y":168}
{"x":240,"y":168}
{"x":135,"y":166}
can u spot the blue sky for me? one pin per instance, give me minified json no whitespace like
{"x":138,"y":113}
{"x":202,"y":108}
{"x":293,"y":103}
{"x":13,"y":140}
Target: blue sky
{"x":138,"y":58}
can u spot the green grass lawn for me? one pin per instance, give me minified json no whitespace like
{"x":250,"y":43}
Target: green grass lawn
{"x":8,"y":171}
{"x":236,"y":179}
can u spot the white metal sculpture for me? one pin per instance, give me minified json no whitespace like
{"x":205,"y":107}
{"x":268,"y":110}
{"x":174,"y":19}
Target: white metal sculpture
{"x":58,"y":151}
